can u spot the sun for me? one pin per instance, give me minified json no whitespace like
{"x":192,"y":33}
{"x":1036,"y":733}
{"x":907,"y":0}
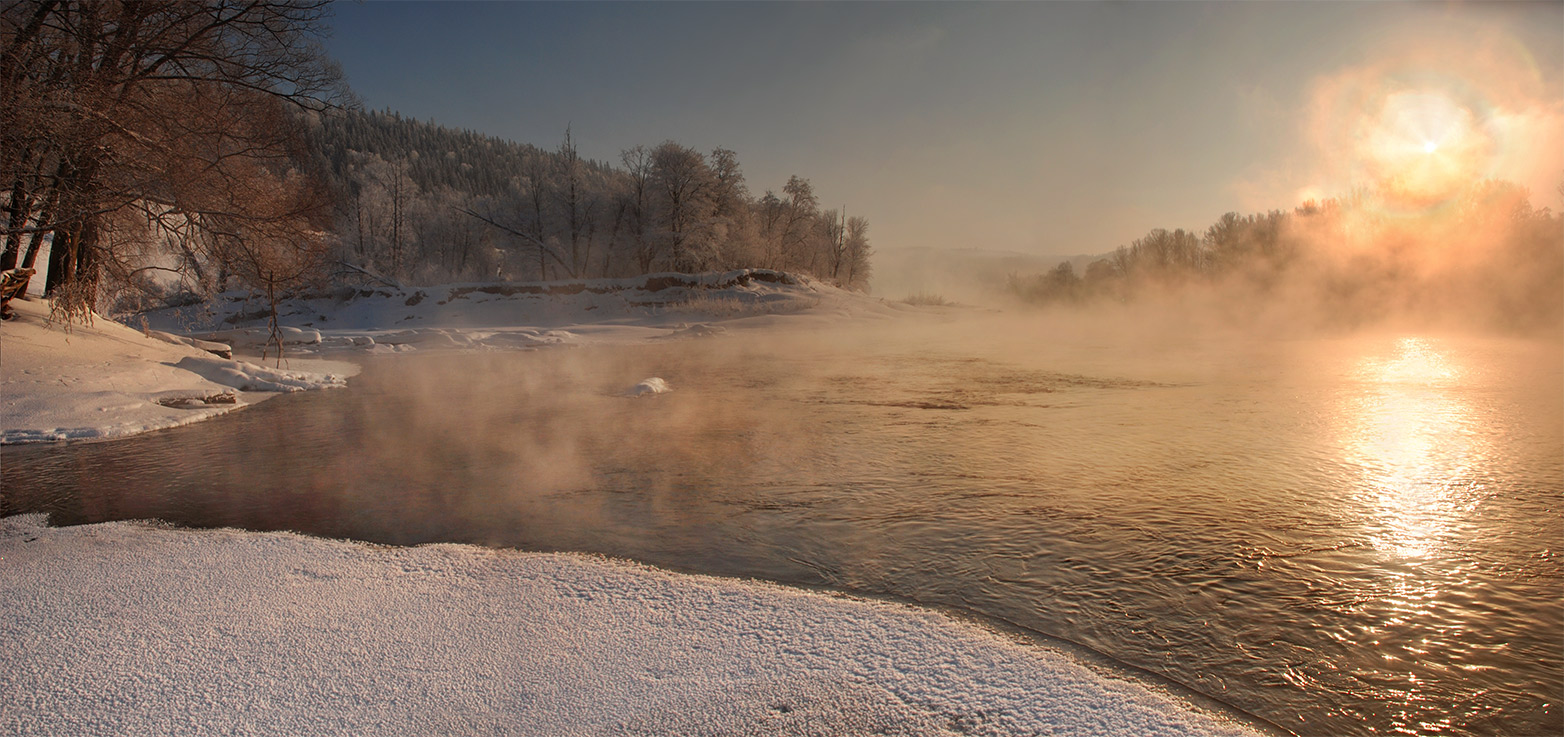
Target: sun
{"x":1422,"y":146}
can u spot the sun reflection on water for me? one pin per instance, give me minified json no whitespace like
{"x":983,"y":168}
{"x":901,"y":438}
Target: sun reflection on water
{"x":1410,"y":428}
{"x":1414,"y":439}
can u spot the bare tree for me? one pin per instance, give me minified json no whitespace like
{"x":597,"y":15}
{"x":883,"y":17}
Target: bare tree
{"x":801,"y":209}
{"x":536,"y":178}
{"x":278,"y":245}
{"x":637,"y":205}
{"x":684,"y":185}
{"x":578,"y":206}
{"x":117,"y":111}
{"x":858,"y":253}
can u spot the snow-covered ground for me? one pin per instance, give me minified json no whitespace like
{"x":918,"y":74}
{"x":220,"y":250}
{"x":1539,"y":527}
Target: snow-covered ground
{"x":106,"y":380}
{"x":133,"y":628}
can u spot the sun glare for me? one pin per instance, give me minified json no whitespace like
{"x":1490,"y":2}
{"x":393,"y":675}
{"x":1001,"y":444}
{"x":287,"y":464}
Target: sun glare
{"x":1423,"y":145}
{"x":1416,"y":442}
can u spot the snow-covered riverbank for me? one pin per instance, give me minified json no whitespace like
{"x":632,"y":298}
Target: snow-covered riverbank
{"x":510,"y":316}
{"x":106,"y":380}
{"x":132,"y":628}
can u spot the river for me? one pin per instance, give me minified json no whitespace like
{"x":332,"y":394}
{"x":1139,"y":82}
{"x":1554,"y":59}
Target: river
{"x":1346,"y":535}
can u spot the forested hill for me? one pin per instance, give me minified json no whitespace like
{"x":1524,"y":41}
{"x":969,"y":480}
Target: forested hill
{"x":436,"y":157}
{"x":422,"y":202}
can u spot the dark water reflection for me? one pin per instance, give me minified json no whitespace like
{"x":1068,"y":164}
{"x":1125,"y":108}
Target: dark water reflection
{"x":1352,"y":536}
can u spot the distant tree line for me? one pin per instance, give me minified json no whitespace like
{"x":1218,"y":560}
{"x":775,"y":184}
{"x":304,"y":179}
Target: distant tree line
{"x":426,"y":203}
{"x":1486,"y":254}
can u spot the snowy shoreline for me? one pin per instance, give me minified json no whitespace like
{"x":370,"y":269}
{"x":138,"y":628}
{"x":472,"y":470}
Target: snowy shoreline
{"x":107,"y":380}
{"x":139,"y":628}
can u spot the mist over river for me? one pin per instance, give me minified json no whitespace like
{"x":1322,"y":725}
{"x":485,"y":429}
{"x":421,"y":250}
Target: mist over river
{"x":1350,"y":535}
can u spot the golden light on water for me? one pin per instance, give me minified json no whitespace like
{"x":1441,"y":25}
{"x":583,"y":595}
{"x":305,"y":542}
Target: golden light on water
{"x":1414,"y":425}
{"x":1415,"y":361}
{"x":1414,"y":439}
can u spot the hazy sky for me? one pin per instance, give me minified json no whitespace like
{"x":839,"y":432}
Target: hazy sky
{"x":1043,"y":127}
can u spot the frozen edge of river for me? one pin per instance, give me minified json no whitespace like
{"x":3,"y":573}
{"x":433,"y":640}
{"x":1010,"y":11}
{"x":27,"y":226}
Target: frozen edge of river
{"x":138,"y":628}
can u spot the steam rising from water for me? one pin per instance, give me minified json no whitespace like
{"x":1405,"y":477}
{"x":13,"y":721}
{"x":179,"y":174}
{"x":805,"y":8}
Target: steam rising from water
{"x":1294,"y":526}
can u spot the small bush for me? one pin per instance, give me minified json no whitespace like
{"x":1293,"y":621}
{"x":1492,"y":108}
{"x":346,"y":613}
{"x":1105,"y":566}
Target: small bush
{"x":717,"y":305}
{"x":927,"y":300}
{"x":70,"y":304}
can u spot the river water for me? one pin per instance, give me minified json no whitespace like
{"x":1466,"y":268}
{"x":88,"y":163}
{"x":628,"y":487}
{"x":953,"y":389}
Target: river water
{"x":1356,"y":535}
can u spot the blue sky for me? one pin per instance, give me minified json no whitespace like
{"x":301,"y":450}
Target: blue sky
{"x":1041,"y":127}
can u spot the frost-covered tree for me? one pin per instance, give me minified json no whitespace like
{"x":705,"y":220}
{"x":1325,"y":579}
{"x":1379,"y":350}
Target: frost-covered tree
{"x":856,"y":268}
{"x":118,"y":118}
{"x":684,"y":194}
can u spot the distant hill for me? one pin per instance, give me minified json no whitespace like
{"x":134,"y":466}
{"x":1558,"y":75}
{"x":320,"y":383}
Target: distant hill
{"x":437,"y":156}
{"x":426,"y":203}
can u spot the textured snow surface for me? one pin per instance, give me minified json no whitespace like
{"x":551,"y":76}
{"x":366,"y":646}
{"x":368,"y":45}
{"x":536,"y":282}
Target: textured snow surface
{"x":128,"y":628}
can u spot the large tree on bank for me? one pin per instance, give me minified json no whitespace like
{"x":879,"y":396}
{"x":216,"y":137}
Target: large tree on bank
{"x":124,"y":122}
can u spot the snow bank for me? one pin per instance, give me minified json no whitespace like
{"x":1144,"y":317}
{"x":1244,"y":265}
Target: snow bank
{"x":252,"y":378}
{"x":507,"y":316}
{"x":639,"y":308}
{"x":224,"y":350}
{"x":106,"y":380}
{"x":126,"y":628}
{"x":258,"y":338}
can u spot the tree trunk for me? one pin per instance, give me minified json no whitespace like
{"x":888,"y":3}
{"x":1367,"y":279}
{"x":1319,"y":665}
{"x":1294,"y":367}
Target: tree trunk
{"x":20,"y":207}
{"x":60,"y":265}
{"x":36,"y":240}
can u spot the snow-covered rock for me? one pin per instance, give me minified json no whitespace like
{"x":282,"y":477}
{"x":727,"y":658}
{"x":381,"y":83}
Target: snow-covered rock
{"x":221,"y":350}
{"x":259,"y":336}
{"x":698,"y":330}
{"x":653,"y":385}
